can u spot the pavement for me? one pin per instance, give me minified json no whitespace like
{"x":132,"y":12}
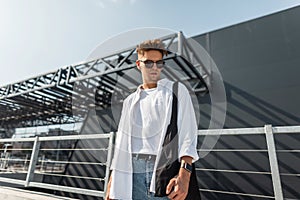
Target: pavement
{"x":7,"y":193}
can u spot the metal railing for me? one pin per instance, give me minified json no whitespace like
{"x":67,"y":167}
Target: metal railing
{"x":39,"y":165}
{"x":270,"y":133}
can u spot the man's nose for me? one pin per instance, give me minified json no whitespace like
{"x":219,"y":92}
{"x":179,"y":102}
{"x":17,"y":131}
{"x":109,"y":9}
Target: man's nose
{"x":154,"y":65}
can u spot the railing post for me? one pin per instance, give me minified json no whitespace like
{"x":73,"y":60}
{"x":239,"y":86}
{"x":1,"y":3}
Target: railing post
{"x":42,"y":163}
{"x":108,"y":161}
{"x":33,"y":160}
{"x":25,"y":162}
{"x":273,"y":163}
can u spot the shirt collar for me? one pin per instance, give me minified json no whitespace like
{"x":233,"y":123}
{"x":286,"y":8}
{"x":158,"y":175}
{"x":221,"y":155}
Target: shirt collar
{"x":160,"y":84}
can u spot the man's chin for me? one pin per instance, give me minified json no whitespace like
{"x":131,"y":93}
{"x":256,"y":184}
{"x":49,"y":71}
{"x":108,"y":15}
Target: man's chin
{"x":155,"y":80}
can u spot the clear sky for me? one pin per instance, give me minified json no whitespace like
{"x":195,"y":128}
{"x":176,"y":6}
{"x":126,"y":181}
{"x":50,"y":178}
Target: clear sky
{"x":39,"y":36}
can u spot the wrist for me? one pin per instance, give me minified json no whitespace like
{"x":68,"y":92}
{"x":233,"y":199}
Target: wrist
{"x":184,"y":174}
{"x":187,"y":166}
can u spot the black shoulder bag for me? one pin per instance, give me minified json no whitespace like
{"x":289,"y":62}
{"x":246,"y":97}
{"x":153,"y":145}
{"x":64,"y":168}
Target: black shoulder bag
{"x":168,"y":165}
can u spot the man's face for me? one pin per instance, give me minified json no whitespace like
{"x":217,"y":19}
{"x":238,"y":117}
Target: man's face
{"x":150,"y":75}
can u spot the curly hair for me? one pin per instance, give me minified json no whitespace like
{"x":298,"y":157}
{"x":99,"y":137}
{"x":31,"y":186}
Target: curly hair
{"x":148,"y":45}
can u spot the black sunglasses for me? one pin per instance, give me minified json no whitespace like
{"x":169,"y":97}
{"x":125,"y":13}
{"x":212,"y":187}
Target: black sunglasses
{"x":149,"y":63}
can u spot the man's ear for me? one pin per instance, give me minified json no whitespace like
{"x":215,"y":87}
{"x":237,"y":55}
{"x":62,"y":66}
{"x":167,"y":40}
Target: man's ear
{"x":138,"y":64}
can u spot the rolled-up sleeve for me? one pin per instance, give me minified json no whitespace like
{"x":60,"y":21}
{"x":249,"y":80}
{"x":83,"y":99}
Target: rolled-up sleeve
{"x":187,"y":125}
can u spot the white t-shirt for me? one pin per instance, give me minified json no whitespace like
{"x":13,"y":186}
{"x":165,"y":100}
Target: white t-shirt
{"x":147,"y":123}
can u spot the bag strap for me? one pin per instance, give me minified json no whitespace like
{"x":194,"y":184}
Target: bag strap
{"x":174,"y":104}
{"x":172,"y":127}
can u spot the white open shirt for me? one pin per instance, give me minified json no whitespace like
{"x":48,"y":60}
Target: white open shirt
{"x":121,"y":184}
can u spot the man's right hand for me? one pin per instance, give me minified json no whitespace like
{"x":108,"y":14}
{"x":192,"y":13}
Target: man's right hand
{"x":107,"y":197}
{"x":108,"y":189}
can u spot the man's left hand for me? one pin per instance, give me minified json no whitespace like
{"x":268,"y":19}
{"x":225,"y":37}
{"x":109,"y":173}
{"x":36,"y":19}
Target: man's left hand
{"x":178,"y":187}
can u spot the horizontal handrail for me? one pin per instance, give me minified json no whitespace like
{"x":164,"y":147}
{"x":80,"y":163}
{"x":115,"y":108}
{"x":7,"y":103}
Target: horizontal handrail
{"x":12,"y":180}
{"x":72,"y":176}
{"x":233,"y":171}
{"x":67,"y":189}
{"x":249,"y":131}
{"x":232,"y":131}
{"x":237,"y":193}
{"x":73,"y":162}
{"x":85,"y":149}
{"x":58,"y":138}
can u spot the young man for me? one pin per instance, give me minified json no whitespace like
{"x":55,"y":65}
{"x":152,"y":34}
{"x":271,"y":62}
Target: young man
{"x":144,"y":120}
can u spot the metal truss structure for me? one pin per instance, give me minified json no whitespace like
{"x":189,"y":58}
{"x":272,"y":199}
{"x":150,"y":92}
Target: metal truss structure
{"x":65,"y":95}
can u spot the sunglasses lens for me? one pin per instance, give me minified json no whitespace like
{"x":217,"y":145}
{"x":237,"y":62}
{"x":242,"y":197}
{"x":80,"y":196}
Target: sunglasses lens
{"x":148,"y":63}
{"x":160,"y":64}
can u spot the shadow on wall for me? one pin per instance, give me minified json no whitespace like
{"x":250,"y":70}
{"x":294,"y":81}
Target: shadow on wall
{"x":245,"y":110}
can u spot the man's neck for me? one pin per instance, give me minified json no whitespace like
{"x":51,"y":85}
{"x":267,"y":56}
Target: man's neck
{"x":149,"y":85}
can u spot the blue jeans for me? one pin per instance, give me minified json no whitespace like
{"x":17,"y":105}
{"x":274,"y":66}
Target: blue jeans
{"x":142,"y":174}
